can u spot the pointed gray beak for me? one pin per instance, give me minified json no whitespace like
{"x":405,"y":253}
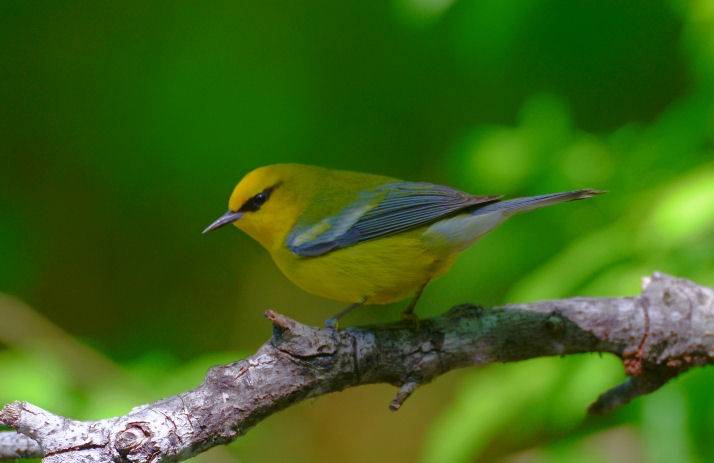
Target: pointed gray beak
{"x":225,"y":219}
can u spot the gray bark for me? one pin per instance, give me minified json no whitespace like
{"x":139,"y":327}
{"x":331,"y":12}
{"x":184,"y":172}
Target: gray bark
{"x":659,"y":334}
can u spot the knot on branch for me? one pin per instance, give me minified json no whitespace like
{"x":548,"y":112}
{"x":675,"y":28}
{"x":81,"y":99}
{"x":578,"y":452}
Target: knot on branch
{"x":300,"y":340}
{"x":130,"y":442}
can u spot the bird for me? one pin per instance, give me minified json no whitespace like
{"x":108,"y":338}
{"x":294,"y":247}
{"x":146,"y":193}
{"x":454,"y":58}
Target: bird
{"x":362,"y":238}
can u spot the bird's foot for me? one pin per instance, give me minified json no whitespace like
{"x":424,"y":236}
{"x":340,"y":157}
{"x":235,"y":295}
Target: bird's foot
{"x":411,"y":318}
{"x":331,"y":324}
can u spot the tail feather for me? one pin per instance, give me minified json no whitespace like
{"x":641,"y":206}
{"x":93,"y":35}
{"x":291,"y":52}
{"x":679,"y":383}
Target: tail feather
{"x":513,"y":206}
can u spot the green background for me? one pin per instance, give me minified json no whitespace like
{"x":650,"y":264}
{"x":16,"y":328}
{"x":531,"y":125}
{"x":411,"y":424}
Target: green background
{"x":125,"y":125}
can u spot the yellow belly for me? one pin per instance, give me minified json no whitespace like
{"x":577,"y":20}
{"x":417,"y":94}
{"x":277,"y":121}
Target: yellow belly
{"x":378,"y":271}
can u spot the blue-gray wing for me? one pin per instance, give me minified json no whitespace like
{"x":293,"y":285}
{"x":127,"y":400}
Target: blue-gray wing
{"x":385,"y":210}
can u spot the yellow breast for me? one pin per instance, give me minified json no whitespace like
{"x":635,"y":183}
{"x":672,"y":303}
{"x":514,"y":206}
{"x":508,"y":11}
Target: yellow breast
{"x":378,"y":271}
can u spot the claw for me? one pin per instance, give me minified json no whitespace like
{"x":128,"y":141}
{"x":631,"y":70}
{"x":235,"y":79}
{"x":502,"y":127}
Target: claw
{"x":412,"y":319}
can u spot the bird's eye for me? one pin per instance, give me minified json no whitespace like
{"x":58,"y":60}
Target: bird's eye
{"x":259,"y":199}
{"x":254,"y":203}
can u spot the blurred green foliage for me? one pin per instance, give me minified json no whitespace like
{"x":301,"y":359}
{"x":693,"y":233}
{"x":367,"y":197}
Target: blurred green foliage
{"x":124,"y":126}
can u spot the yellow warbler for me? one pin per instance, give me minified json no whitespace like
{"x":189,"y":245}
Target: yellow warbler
{"x":363,"y":238}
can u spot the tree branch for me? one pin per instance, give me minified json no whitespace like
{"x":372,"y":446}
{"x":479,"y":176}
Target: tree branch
{"x":658,"y":334}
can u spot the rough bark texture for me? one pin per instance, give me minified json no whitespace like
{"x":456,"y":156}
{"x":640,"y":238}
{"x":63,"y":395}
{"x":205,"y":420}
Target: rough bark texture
{"x":659,"y":334}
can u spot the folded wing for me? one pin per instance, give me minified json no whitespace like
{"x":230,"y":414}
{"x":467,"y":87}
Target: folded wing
{"x":385,"y":210}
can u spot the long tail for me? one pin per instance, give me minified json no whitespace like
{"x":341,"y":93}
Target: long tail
{"x":514,"y":206}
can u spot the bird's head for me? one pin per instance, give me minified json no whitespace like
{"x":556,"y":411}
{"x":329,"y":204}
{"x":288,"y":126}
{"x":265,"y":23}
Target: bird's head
{"x":267,"y":202}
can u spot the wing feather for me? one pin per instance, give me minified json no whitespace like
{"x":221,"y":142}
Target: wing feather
{"x":385,"y":210}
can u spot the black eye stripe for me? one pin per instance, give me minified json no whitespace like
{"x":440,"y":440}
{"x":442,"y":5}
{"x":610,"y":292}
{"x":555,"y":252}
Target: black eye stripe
{"x":254,"y":203}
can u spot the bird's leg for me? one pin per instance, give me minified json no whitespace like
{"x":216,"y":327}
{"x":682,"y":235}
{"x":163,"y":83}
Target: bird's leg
{"x":409,"y":314}
{"x":331,"y":322}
